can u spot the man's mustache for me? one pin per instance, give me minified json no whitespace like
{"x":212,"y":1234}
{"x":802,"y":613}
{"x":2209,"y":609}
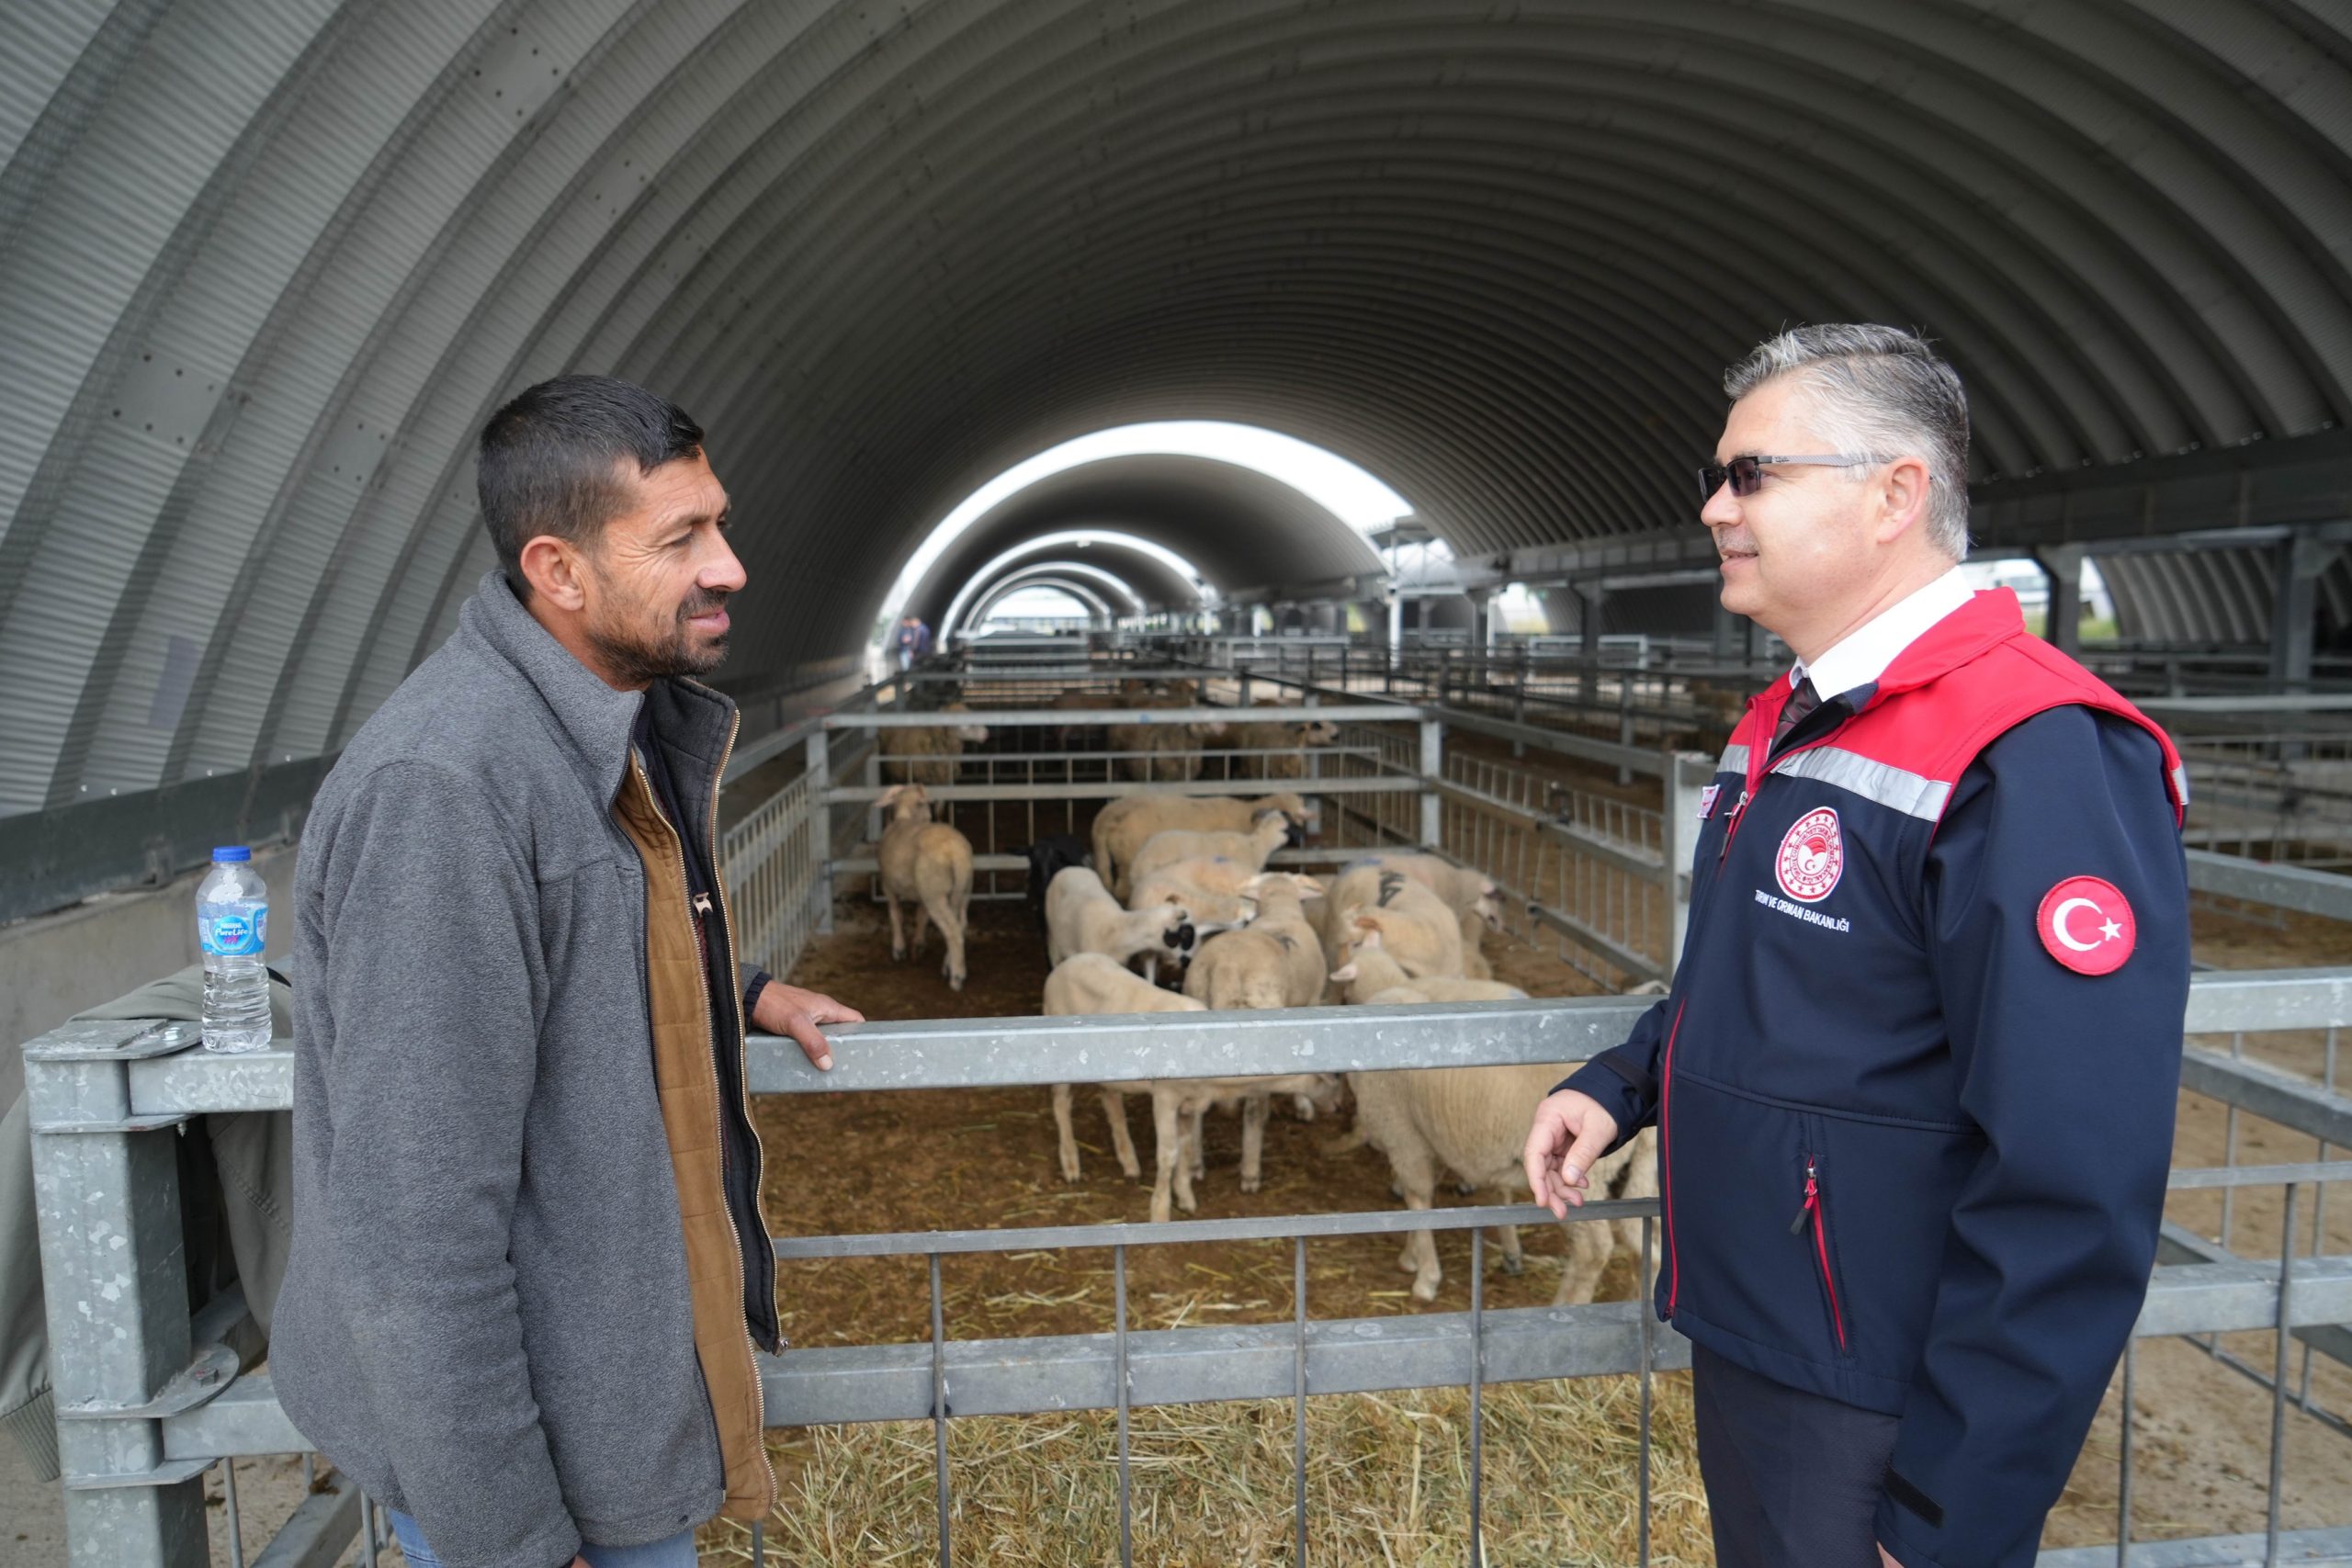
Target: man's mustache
{"x":704,"y":601}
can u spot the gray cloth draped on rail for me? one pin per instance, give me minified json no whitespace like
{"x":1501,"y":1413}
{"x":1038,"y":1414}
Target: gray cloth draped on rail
{"x":236,"y":1183}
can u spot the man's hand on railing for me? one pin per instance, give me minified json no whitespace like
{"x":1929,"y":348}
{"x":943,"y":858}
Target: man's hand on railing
{"x":1571,"y":1131}
{"x":789,"y":1009}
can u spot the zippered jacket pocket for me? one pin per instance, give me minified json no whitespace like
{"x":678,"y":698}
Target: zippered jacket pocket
{"x":1812,"y":1224}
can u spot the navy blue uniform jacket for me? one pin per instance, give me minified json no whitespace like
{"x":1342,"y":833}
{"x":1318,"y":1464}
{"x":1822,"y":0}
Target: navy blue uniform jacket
{"x":1915,"y":1082}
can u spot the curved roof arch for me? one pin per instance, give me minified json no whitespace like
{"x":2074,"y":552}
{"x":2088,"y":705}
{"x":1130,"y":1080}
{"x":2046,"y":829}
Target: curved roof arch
{"x":1086,"y":595}
{"x":263,"y":273}
{"x":1238,"y":526}
{"x":1142,"y":580}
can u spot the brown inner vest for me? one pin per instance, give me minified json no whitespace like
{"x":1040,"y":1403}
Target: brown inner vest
{"x":678,"y":1004}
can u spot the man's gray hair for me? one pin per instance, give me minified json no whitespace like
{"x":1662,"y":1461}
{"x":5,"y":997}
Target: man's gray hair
{"x":1881,"y":392}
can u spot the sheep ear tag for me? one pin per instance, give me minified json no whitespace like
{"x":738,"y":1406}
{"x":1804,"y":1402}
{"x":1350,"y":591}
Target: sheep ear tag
{"x":2087,"y":924}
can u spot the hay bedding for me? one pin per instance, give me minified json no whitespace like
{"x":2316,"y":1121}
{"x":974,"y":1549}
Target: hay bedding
{"x":1387,"y":1473}
{"x":1212,"y":1483}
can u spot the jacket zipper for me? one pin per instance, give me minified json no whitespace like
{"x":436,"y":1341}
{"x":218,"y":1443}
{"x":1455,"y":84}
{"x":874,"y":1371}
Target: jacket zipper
{"x":1737,"y":815}
{"x":743,"y":1081}
{"x":1811,"y":1213}
{"x":1665,"y":1160}
{"x":718,"y":1113}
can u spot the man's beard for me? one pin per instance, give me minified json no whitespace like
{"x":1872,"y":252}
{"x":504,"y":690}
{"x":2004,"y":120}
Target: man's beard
{"x":635,"y":659}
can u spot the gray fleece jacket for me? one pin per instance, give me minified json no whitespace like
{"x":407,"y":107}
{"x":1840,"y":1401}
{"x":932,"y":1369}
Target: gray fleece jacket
{"x":485,"y":1318}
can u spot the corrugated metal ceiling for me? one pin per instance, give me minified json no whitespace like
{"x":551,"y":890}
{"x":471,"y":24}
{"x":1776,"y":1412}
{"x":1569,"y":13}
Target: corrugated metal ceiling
{"x":265,"y":265}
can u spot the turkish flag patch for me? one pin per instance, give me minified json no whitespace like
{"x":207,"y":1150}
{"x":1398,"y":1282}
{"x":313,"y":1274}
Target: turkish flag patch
{"x":2087,"y":925}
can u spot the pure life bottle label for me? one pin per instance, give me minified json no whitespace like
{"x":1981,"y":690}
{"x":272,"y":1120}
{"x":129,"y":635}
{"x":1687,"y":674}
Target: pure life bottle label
{"x":232,"y":931}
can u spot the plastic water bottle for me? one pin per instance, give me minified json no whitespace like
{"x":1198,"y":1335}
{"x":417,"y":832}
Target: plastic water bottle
{"x":233,"y":927}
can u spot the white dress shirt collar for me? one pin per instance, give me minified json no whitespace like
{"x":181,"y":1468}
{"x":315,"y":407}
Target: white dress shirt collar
{"x":1863,"y":654}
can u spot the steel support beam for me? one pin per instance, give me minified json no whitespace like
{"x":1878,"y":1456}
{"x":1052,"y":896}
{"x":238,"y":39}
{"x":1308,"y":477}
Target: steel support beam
{"x":2063,"y":565}
{"x":2294,"y":609}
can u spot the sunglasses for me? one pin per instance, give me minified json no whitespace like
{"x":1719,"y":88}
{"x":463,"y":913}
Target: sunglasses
{"x":1745,"y":474}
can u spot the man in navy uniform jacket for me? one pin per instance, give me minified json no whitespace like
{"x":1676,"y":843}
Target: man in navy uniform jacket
{"x":1915,"y":1082}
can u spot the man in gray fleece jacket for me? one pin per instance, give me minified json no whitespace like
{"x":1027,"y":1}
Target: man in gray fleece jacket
{"x":528,"y":1264}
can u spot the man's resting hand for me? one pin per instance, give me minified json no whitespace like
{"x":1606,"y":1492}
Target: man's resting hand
{"x":789,"y":1009}
{"x":1571,"y":1131}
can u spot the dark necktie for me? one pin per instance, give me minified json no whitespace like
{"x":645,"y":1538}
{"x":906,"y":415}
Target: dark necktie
{"x":1802,"y":701}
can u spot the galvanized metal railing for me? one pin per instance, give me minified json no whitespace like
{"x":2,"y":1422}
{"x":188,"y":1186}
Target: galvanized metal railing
{"x":146,"y":1408}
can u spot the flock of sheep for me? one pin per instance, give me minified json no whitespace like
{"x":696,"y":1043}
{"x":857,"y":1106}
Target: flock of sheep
{"x":1172,"y":908}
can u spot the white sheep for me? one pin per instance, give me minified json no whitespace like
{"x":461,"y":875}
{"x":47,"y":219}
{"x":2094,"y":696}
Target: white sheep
{"x":946,"y":742}
{"x":929,"y":865}
{"x":1420,"y":933}
{"x":1268,"y":832}
{"x":1473,"y":1121}
{"x":1087,"y":985}
{"x":1474,"y":896}
{"x":1208,"y":886}
{"x":1366,"y":971}
{"x":1122,"y":825}
{"x":1177,"y":1108}
{"x":1275,"y":962}
{"x":1278,"y":742}
{"x":1082,"y":916}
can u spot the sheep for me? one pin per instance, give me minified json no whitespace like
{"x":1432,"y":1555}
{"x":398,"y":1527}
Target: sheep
{"x":1082,"y":916}
{"x":1209,"y":886}
{"x":1047,"y":858}
{"x":945,"y":743}
{"x":1367,"y":973}
{"x":1122,"y":826}
{"x":1277,"y":742}
{"x":1267,"y":833}
{"x":1474,"y":898}
{"x":1422,"y":933}
{"x":1163,"y":753}
{"x":1273,"y":963}
{"x":1474,"y":1121}
{"x":1177,"y":1107}
{"x":1086,"y":983}
{"x":929,"y":864}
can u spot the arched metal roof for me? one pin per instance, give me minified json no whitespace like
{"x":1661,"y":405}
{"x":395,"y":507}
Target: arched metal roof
{"x":266,"y":265}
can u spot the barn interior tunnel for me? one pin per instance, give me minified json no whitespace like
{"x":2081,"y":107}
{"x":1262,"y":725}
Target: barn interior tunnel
{"x":266,"y":268}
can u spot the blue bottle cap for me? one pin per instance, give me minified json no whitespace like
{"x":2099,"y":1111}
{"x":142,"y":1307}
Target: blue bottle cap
{"x":232,"y":852}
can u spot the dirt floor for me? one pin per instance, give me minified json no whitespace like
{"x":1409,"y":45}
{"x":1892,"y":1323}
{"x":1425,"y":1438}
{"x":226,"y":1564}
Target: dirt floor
{"x":924,"y":1160}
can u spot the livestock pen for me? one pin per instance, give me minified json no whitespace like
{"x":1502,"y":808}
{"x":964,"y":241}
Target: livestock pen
{"x":1317,"y":1416}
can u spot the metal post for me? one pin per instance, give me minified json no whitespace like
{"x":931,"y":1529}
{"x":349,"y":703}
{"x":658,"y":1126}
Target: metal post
{"x":1625,"y":721}
{"x":106,"y":1193}
{"x":1478,"y":1385}
{"x":2294,"y":609}
{"x":1519,"y":702}
{"x":1298,"y":1437}
{"x":1591,"y":595}
{"x":1687,"y":774}
{"x":820,"y":778}
{"x":2279,"y":1371}
{"x":2063,"y":565}
{"x":1119,"y":1336}
{"x":1432,"y":769}
{"x":1643,"y":1310}
{"x":939,"y":1405}
{"x":229,"y":1502}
